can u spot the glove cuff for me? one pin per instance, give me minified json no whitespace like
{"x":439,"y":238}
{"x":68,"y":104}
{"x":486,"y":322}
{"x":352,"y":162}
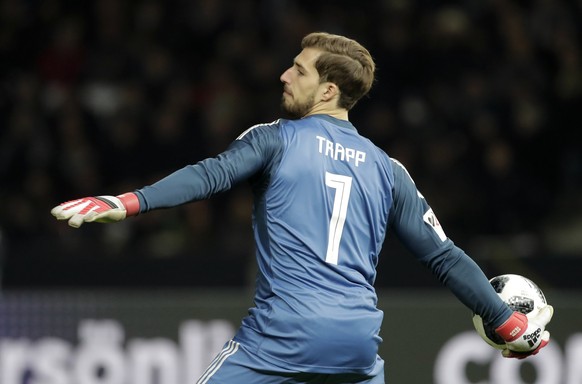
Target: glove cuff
{"x":131,"y":203}
{"x":514,"y":327}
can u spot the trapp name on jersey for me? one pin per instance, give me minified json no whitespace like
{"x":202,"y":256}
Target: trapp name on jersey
{"x":339,"y":152}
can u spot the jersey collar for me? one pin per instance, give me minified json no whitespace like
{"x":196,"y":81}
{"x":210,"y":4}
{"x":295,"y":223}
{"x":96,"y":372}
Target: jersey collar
{"x":333,"y":120}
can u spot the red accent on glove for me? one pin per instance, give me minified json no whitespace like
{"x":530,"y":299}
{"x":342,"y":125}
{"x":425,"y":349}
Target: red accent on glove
{"x":95,"y":204}
{"x":513,"y":328}
{"x":131,"y":203}
{"x":523,"y":355}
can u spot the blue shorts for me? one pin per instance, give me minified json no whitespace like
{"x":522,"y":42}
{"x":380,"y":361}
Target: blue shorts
{"x":234,"y":365}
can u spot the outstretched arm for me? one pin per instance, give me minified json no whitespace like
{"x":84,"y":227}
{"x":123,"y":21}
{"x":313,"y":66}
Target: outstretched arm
{"x":244,"y":157}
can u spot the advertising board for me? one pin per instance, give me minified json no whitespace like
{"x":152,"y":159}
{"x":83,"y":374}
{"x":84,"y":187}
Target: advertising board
{"x":169,"y":337}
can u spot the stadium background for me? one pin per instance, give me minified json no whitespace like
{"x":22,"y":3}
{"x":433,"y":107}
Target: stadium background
{"x":479,"y":99}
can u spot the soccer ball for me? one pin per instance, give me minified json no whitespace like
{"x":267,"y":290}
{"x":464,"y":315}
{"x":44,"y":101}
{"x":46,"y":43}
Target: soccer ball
{"x":521,"y":294}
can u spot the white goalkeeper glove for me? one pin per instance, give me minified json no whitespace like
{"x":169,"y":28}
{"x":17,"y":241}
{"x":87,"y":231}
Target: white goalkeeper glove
{"x":101,"y":209}
{"x":525,"y":336}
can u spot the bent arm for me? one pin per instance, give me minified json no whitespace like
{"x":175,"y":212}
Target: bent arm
{"x":416,"y":225}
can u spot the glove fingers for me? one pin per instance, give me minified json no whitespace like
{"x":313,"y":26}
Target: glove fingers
{"x":83,"y":217}
{"x":77,"y":220}
{"x":514,"y":355}
{"x":57,"y":212}
{"x":545,"y":337}
{"x":60,"y":213}
{"x":105,"y":217}
{"x":522,"y":355}
{"x":66,"y":210}
{"x":545,"y":315}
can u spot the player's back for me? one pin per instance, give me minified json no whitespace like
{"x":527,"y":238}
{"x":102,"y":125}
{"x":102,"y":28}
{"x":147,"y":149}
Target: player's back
{"x":320,"y":225}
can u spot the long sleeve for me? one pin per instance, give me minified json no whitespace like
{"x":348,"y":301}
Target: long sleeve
{"x":416,"y":225}
{"x":244,"y":157}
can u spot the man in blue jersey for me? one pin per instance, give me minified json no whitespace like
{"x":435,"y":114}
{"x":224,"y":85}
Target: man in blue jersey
{"x":324,"y":197}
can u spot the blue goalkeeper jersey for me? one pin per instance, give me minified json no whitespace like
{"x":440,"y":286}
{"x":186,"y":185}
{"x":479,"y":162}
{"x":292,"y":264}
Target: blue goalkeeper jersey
{"x":324,"y":197}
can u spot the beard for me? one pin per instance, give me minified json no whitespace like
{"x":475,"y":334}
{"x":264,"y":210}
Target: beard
{"x":297,"y":110}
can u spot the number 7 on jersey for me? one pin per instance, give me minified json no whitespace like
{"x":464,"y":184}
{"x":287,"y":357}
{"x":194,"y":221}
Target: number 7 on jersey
{"x":343,"y":186}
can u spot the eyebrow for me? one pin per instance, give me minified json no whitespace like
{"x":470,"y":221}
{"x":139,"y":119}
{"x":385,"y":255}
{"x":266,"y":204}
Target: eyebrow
{"x":298,"y":64}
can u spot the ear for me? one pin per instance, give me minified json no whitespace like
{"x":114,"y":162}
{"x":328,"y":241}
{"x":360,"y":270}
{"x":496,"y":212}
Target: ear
{"x":330,"y":91}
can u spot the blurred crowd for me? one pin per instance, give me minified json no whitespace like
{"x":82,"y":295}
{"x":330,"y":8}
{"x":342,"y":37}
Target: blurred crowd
{"x":480,"y":102}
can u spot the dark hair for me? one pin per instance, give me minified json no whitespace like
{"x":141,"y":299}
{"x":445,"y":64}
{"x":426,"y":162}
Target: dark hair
{"x":344,"y":62}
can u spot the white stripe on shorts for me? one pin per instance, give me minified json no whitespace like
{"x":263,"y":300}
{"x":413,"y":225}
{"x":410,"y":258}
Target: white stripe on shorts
{"x":215,"y":365}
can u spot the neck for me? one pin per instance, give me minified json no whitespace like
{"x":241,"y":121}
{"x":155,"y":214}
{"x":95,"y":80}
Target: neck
{"x":338,"y":113}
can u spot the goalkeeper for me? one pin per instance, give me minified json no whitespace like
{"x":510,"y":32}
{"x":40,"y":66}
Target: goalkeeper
{"x":324,"y":197}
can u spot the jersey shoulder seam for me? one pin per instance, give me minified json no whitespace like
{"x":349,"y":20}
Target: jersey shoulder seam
{"x":257,"y":126}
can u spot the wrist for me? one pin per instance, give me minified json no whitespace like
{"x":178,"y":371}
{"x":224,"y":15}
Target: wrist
{"x":130,"y":202}
{"x":513,"y":328}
